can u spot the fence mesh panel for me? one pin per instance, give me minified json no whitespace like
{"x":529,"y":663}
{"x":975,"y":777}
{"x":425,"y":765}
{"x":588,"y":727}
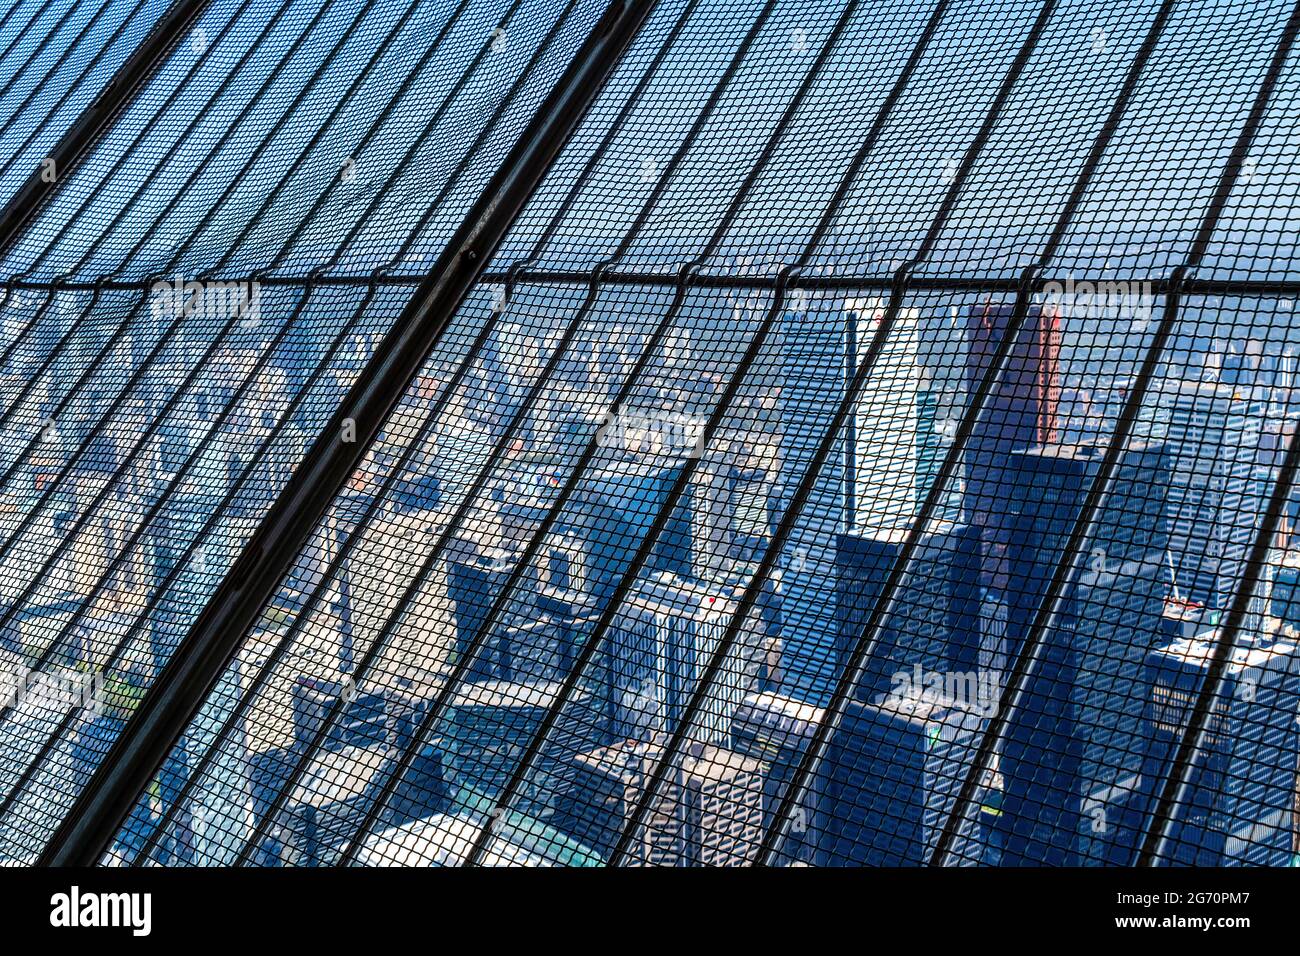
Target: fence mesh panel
{"x":54,"y":58}
{"x":871,"y":444}
{"x":187,"y":311}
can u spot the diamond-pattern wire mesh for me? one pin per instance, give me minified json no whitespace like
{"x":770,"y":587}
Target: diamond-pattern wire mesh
{"x":54,"y":58}
{"x":837,"y":468}
{"x":193,"y":304}
{"x":760,"y":434}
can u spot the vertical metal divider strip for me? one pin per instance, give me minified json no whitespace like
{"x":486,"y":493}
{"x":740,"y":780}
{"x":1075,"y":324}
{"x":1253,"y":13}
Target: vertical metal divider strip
{"x":537,"y":738}
{"x":1156,"y":823}
{"x":87,"y":831}
{"x":442,"y":699}
{"x":884,"y":603}
{"x":319,"y":590}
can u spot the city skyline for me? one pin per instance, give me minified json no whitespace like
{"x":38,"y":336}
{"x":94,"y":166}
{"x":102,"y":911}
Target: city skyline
{"x":683,"y":433}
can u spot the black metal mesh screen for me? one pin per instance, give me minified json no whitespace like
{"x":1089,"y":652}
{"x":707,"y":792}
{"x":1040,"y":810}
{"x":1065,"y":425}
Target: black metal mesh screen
{"x":54,"y":58}
{"x":198,"y":295}
{"x":871,"y":445}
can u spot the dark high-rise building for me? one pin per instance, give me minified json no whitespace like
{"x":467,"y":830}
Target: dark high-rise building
{"x":614,"y":509}
{"x":1237,"y":807}
{"x":1076,"y":729}
{"x":935,"y":622}
{"x":892,"y":774}
{"x":489,"y":724}
{"x":1022,"y":409}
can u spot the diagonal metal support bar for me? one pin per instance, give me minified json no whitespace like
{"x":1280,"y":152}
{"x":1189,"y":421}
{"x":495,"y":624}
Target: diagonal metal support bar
{"x":439,"y":705}
{"x":91,"y":124}
{"x":1190,"y":747}
{"x":100,"y":809}
{"x":533,"y":748}
{"x":884,"y":605}
{"x":677,"y":740}
{"x":447,"y":392}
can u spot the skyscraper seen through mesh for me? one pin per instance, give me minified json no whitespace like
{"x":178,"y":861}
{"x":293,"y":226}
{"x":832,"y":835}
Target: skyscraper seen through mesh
{"x":870,"y":444}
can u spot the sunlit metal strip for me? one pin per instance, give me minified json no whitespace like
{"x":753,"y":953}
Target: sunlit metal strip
{"x":874,"y":624}
{"x":140,"y":749}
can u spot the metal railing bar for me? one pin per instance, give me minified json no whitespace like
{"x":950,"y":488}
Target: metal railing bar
{"x":1155,"y":285}
{"x":158,"y":722}
{"x":862,"y":649}
{"x":444,"y":695}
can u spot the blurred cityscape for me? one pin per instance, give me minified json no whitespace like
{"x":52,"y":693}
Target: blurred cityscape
{"x":1085,"y":749}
